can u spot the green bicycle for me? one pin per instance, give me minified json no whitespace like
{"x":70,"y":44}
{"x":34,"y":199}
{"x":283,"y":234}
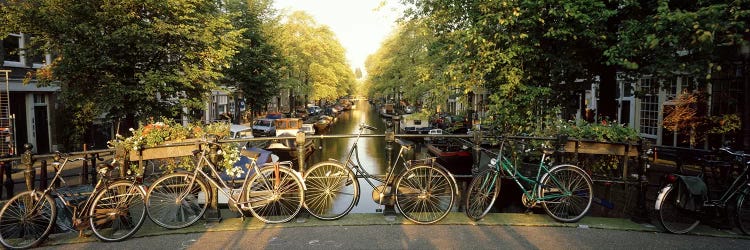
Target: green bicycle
{"x":564,"y":191}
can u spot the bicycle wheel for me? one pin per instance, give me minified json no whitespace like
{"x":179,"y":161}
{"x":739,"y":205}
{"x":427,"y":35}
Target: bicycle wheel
{"x":672,"y":218}
{"x":566,"y":193}
{"x":332,"y":190}
{"x":118,"y":211}
{"x":173,"y":203}
{"x":424,"y":194}
{"x":275,"y":198}
{"x":482,"y":193}
{"x":27,"y":219}
{"x":743,"y":211}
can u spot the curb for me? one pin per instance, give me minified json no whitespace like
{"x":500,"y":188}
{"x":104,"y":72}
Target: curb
{"x":149,"y":229}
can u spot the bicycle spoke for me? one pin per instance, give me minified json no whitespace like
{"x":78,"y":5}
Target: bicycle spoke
{"x":424,"y":194}
{"x":26,"y":219}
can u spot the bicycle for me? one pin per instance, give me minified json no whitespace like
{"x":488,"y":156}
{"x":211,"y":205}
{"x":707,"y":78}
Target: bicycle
{"x":114,"y":210}
{"x":273,"y":192}
{"x":425,"y":192}
{"x":564,"y":191}
{"x":679,"y":210}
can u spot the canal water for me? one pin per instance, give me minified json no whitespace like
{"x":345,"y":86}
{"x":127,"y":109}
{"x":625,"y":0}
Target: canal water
{"x":372,"y":150}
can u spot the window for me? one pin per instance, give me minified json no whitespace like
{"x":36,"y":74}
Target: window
{"x":649,"y":122}
{"x":40,"y":99}
{"x":11,"y":46}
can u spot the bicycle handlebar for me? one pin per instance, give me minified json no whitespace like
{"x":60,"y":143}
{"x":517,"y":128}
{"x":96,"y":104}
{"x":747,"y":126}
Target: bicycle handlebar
{"x":735,"y":153}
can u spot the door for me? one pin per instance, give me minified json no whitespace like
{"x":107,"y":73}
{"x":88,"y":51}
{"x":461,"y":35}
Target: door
{"x":41,"y":128}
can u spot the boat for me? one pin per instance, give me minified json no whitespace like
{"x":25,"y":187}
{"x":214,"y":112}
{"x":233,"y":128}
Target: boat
{"x":414,"y":124}
{"x":454,"y":155}
{"x":387,"y":111}
{"x":286,"y":149}
{"x":322,"y":124}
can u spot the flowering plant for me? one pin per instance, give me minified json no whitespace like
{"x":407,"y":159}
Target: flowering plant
{"x":154,"y":133}
{"x":602,"y":131}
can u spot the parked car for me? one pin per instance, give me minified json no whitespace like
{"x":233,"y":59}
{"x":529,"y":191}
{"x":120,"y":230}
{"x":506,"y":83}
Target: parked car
{"x":264,"y":127}
{"x":314,"y":110}
{"x":240,"y":131}
{"x":308,"y":129}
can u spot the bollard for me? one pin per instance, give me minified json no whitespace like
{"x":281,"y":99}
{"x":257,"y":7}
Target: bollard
{"x":300,"y":142}
{"x":93,"y":167}
{"x":85,"y":168}
{"x":477,"y":150}
{"x":213,"y":214}
{"x":43,"y":174}
{"x":642,"y":212}
{"x":396,"y":124}
{"x":5,"y":181}
{"x":28,"y":161}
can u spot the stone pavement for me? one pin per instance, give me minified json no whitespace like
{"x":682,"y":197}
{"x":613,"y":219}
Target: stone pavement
{"x":231,"y":222}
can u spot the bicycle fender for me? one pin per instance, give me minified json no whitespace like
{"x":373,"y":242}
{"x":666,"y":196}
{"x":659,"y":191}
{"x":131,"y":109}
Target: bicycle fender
{"x":660,"y":196}
{"x":299,"y":175}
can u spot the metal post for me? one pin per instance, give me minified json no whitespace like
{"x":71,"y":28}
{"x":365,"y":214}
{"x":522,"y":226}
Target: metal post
{"x":43,"y":174}
{"x":85,"y":168}
{"x":477,"y":151}
{"x":746,"y":111}
{"x":390,"y":138}
{"x":28,"y":161}
{"x":641,"y":214}
{"x":213,"y":214}
{"x":4,"y":181}
{"x":300,"y":141}
{"x":93,"y":166}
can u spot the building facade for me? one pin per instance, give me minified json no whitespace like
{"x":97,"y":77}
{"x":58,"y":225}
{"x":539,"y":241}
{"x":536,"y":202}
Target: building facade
{"x":30,"y":108}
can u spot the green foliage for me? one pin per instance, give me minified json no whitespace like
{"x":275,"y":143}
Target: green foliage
{"x":315,"y":64}
{"x":254,"y":70}
{"x":131,"y":59}
{"x":597,"y":131}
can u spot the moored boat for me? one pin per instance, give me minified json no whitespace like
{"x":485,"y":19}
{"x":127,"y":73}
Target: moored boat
{"x":454,"y":155}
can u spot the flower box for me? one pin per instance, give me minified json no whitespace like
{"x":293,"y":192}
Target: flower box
{"x":166,"y":150}
{"x":604,"y":148}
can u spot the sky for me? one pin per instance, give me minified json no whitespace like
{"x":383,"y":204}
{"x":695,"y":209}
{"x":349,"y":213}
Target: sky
{"x":359,"y":25}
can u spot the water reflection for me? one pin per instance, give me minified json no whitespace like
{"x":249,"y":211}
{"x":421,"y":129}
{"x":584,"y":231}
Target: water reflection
{"x":372,"y":153}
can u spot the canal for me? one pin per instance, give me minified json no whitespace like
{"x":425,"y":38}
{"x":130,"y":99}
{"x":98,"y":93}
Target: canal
{"x":372,"y":150}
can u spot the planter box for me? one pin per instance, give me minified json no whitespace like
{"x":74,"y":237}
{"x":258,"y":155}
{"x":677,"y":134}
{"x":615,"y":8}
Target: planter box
{"x":167,"y":150}
{"x":604,"y":148}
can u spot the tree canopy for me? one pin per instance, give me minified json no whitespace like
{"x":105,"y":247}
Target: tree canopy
{"x":128,"y":59}
{"x":315,"y":64}
{"x":525,"y":52}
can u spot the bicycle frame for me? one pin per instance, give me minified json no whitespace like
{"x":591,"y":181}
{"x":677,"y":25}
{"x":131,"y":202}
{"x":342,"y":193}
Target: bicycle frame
{"x":238,"y":202}
{"x":504,"y":165}
{"x":735,"y":187}
{"x":362,"y":173}
{"x":78,"y":211}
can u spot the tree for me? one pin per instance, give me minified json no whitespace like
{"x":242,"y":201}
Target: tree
{"x":255,"y":68}
{"x":515,"y":47}
{"x":127,"y":59}
{"x":316,"y":65}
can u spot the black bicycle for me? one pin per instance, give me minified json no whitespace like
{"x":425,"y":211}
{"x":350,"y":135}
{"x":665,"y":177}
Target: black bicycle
{"x":683,"y":202}
{"x":423,"y":191}
{"x":114,"y":210}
